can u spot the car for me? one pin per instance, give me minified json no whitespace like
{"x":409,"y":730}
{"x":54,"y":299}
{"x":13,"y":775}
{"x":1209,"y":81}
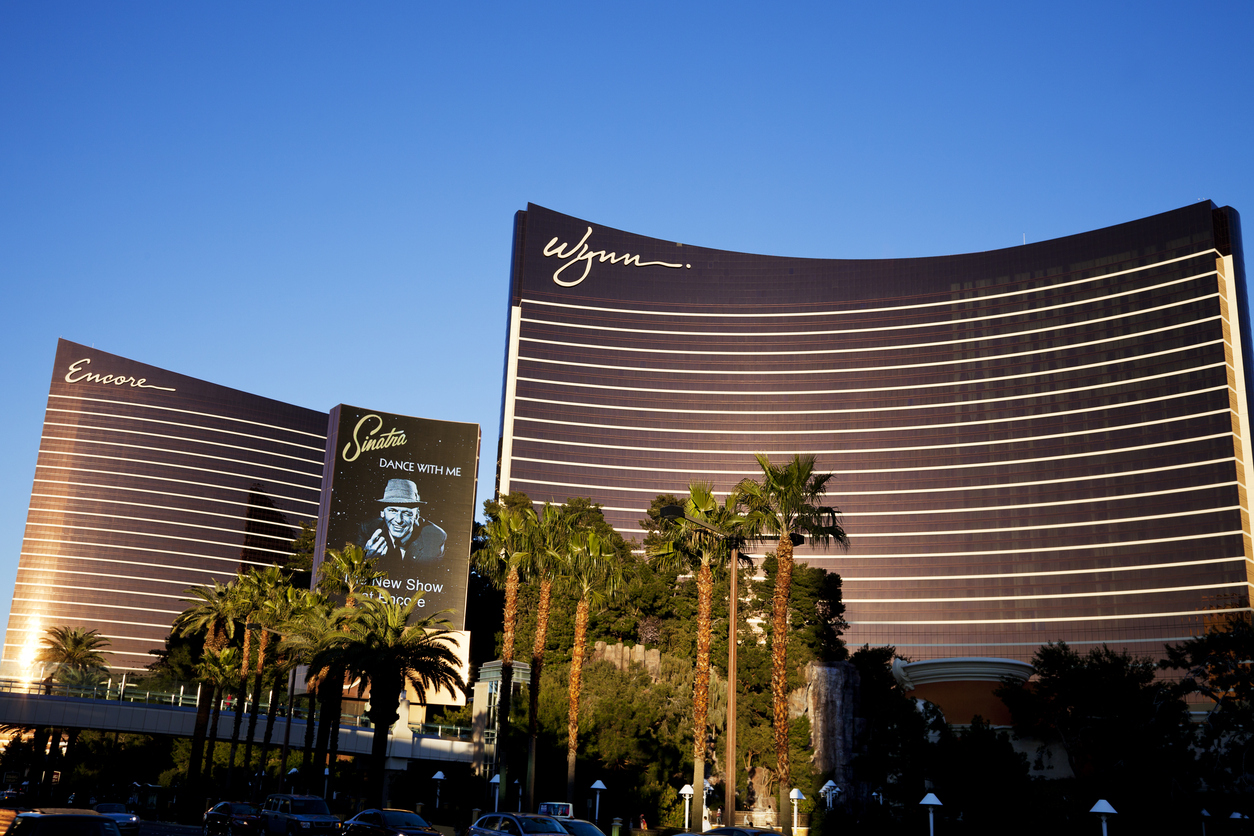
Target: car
{"x":582,"y":827}
{"x":387,"y":822}
{"x":232,"y":818}
{"x":65,"y":822}
{"x":304,"y":814}
{"x":127,"y":821}
{"x":742,"y":831}
{"x":515,"y":824}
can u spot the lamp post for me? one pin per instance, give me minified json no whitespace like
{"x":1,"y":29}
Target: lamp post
{"x":437,"y":777}
{"x":598,"y":785}
{"x":496,"y":792}
{"x":932,"y":802}
{"x":676,"y":512}
{"x":829,"y":791}
{"x":686,"y":792}
{"x":796,"y":796}
{"x":1205,"y":816}
{"x":1103,"y":809}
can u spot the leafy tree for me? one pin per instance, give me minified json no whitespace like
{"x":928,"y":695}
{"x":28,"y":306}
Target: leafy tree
{"x":785,"y":502}
{"x":1125,"y":733}
{"x":1219,"y":669}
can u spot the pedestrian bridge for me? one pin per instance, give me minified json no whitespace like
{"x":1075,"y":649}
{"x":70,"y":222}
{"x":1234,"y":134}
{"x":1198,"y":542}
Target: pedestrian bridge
{"x":119,"y":708}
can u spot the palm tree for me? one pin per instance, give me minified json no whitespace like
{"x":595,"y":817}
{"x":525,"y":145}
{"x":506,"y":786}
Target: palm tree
{"x":786,"y":503}
{"x":71,"y":651}
{"x":218,"y":669}
{"x":691,"y":544}
{"x":593,"y":574}
{"x":316,"y":622}
{"x":549,"y":552}
{"x":348,"y":572}
{"x":209,"y":613}
{"x":505,"y":554}
{"x":264,"y":585}
{"x":387,"y":651}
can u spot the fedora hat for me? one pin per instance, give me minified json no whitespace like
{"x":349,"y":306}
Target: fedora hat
{"x":401,"y":492}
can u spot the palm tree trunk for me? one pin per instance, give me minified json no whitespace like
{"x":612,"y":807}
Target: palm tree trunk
{"x":310,"y":726}
{"x":506,"y":699}
{"x":576,"y":682}
{"x":701,"y":690}
{"x":240,"y":694}
{"x":271,"y":713}
{"x":204,"y":708}
{"x":333,"y":713}
{"x":533,"y":696}
{"x":262,"y":640}
{"x":779,"y":674}
{"x":385,"y":699}
{"x":212,"y":741}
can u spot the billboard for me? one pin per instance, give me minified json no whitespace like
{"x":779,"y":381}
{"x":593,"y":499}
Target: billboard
{"x":403,"y":489}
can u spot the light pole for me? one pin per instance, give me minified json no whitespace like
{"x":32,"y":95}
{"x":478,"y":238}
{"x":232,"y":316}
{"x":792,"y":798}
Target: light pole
{"x":932,"y":802}
{"x":598,"y":785}
{"x":676,"y":512}
{"x":496,"y":792}
{"x":438,"y":778}
{"x":796,"y":796}
{"x":686,"y":792}
{"x":829,"y":791}
{"x":1103,"y":809}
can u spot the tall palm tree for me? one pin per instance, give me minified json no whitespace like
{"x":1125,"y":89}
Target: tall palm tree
{"x":786,"y":502}
{"x":593,"y":574}
{"x":265,"y":585}
{"x":549,"y":551}
{"x":387,"y":651}
{"x":303,"y":636}
{"x":688,"y":544}
{"x":245,"y":602}
{"x":504,"y":556}
{"x":219,"y":669}
{"x":210,"y":613}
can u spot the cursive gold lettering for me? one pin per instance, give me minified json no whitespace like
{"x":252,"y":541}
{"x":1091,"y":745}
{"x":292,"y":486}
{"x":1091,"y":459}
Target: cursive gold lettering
{"x":77,"y":374}
{"x":391,"y":438}
{"x":575,"y":253}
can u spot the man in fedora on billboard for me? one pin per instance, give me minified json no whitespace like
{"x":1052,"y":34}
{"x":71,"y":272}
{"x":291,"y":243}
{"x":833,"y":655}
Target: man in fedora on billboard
{"x":401,"y":531}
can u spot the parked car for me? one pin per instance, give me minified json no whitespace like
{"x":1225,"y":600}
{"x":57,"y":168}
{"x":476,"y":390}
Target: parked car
{"x":515,"y":824}
{"x":741,"y":831}
{"x":232,"y":818}
{"x":127,"y":821}
{"x":67,"y":822}
{"x":582,"y":827}
{"x":387,"y":823}
{"x":304,"y":814}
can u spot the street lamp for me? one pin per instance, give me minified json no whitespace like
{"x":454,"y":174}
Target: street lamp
{"x":796,"y":796}
{"x":932,"y":802}
{"x":829,"y":791}
{"x":437,"y":777}
{"x":1205,"y":816}
{"x":1103,"y":809}
{"x":676,"y":512}
{"x":496,"y":792}
{"x":686,"y":792}
{"x":598,"y":785}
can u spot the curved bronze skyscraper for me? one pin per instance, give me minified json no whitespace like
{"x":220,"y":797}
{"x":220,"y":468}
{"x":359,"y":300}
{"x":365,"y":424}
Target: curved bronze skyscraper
{"x":1040,"y":443}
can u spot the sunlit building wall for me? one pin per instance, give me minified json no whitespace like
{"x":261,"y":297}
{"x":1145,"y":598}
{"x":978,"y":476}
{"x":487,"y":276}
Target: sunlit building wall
{"x":147,"y":483}
{"x":1047,"y":442}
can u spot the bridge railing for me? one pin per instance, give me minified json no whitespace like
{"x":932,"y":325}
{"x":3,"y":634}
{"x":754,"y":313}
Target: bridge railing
{"x":353,"y":714}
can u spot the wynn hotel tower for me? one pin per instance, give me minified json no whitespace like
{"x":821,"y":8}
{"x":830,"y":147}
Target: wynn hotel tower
{"x":1047,"y":442}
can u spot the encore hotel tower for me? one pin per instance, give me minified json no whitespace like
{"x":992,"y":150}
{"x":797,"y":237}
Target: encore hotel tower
{"x":1048,"y":442}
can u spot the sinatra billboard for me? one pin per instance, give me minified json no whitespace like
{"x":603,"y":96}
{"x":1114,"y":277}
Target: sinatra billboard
{"x":403,"y":489}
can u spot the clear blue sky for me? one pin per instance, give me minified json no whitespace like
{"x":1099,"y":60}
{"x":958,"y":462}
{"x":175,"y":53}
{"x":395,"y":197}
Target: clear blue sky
{"x":256,"y":194}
